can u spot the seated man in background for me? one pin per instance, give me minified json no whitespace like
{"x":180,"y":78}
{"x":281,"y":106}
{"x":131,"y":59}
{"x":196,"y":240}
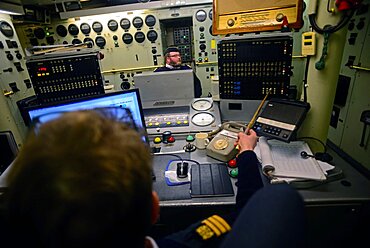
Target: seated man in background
{"x":84,"y":180}
{"x":173,"y":61}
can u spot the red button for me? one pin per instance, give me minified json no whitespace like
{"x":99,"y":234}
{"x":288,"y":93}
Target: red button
{"x":232,"y":163}
{"x":171,"y":139}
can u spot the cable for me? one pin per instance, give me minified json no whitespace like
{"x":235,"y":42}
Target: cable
{"x":312,"y":138}
{"x":305,"y":79}
{"x":329,"y":28}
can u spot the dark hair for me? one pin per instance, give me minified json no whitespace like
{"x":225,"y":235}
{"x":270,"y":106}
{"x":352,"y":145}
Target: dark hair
{"x":82,"y":181}
{"x":171,"y":49}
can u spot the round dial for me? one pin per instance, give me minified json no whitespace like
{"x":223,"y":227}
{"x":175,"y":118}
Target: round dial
{"x":39,"y":33}
{"x":210,"y":14}
{"x":113,"y":25}
{"x":202,"y":119}
{"x":100,"y":41}
{"x":125,"y":23}
{"x":152,"y":35}
{"x":127,"y":38}
{"x":89,"y":41}
{"x":76,"y":41}
{"x":97,"y":27}
{"x":85,"y":28}
{"x":137,"y":22}
{"x":150,"y":20}
{"x":139,"y":37}
{"x":6,"y":29}
{"x":201,"y":15}
{"x":62,"y":31}
{"x":202,"y":104}
{"x":73,"y":29}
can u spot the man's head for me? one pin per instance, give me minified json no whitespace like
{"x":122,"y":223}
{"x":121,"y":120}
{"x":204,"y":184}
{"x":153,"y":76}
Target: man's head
{"x":172,"y":57}
{"x":82,"y":180}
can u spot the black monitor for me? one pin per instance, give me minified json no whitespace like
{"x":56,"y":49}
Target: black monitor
{"x":126,"y":99}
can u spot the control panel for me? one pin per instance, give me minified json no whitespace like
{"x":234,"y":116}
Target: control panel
{"x":181,"y":116}
{"x":60,"y":77}
{"x":250,"y":67}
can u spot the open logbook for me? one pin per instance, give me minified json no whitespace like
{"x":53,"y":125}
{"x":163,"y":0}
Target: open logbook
{"x":280,"y":159}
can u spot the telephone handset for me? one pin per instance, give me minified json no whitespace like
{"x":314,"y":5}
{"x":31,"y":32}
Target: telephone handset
{"x":222,"y":147}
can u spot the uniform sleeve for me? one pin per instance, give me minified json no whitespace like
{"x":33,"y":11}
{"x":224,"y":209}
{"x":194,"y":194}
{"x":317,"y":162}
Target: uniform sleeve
{"x":249,"y":177}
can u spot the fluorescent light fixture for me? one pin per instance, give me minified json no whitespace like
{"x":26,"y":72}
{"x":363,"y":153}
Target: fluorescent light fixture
{"x":11,"y":9}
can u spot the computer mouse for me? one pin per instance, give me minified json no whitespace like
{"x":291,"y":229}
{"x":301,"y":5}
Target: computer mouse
{"x":182,"y":169}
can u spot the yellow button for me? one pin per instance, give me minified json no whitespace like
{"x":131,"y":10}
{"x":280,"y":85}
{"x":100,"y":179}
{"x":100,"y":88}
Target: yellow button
{"x":150,"y":124}
{"x":157,"y":140}
{"x":185,"y":122}
{"x":168,"y":123}
{"x":178,"y":122}
{"x":157,"y":123}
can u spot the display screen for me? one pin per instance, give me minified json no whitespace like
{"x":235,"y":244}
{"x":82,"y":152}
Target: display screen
{"x":125,"y":99}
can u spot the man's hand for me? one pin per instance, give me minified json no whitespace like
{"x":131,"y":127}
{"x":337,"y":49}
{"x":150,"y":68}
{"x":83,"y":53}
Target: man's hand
{"x":246,"y":141}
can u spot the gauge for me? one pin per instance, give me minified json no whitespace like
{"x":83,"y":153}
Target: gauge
{"x":201,"y":15}
{"x":85,"y":28}
{"x":211,"y":30}
{"x":125,"y":23}
{"x":100,"y":41}
{"x":139,"y":37}
{"x":97,"y":27}
{"x":89,"y":41}
{"x":113,"y":25}
{"x":127,"y":38}
{"x":152,"y":35}
{"x":150,"y":20}
{"x":62,"y":31}
{"x":137,"y":22}
{"x":73,"y":29}
{"x":210,"y":14}
{"x":202,"y":119}
{"x":6,"y":29}
{"x":202,"y":104}
{"x":39,"y":33}
{"x":76,"y":41}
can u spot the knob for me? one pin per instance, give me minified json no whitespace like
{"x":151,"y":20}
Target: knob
{"x":230,"y":22}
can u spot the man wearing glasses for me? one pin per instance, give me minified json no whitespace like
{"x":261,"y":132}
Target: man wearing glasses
{"x":173,"y":61}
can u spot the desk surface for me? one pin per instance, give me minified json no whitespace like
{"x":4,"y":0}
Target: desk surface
{"x":352,"y":188}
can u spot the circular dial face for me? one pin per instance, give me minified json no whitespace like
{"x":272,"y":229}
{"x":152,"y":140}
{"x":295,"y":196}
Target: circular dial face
{"x":76,"y":41}
{"x":125,"y":23}
{"x":113,"y":25}
{"x":150,"y":20}
{"x":89,"y":41}
{"x":97,"y":27}
{"x":73,"y":29}
{"x":202,"y":104}
{"x":6,"y":29}
{"x":62,"y":31}
{"x":137,"y":22}
{"x":100,"y":41}
{"x":201,"y":15}
{"x":152,"y":35}
{"x":39,"y":33}
{"x":127,"y":38}
{"x":85,"y":28}
{"x":139,"y":37}
{"x":202,"y":119}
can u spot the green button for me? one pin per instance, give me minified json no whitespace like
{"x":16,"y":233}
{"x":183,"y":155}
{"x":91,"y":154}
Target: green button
{"x":234,"y":172}
{"x":190,"y":138}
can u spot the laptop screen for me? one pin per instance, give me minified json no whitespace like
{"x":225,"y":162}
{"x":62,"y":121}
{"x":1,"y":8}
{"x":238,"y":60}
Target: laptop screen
{"x":125,"y":99}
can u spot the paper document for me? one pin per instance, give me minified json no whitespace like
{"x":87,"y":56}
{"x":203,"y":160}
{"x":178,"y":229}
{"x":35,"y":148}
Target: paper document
{"x":280,"y":159}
